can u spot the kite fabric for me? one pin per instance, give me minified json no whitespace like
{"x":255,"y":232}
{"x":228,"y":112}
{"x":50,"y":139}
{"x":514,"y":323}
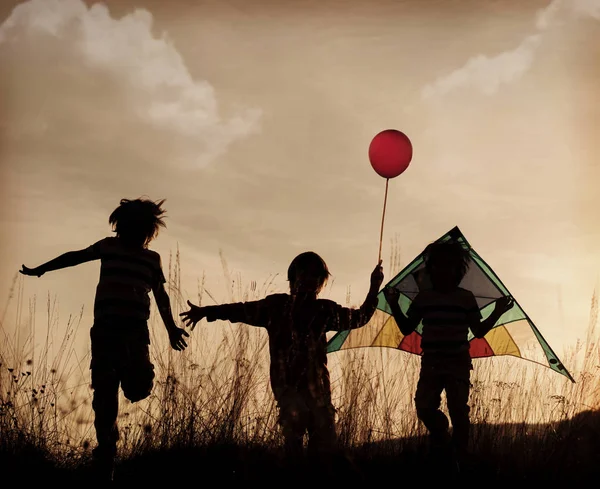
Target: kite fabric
{"x":514,"y":333}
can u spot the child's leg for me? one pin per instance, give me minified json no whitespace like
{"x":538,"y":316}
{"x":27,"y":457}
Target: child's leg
{"x":136,"y":369}
{"x":105,"y":403}
{"x":293,"y":420}
{"x":322,"y":436}
{"x":293,"y":435}
{"x":105,"y":400}
{"x":457,"y":396}
{"x":427,"y":402}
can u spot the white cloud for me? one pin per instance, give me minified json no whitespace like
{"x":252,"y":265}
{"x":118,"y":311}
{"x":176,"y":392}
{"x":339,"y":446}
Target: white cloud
{"x":158,"y":86}
{"x":488,"y":74}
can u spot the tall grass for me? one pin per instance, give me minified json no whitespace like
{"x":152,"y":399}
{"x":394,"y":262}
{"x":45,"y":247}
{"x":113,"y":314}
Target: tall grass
{"x":217,"y":391}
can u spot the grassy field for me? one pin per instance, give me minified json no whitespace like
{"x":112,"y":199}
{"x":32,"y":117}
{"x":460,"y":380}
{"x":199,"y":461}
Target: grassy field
{"x":212,"y":414}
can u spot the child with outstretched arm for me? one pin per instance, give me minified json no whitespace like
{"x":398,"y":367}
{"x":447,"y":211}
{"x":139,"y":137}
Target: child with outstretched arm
{"x":120,"y":338}
{"x":297,"y":324}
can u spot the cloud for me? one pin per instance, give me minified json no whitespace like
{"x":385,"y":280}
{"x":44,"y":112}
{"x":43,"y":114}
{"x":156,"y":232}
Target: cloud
{"x":140,"y":78}
{"x":487,"y":74}
{"x":550,"y":16}
{"x":586,"y":8}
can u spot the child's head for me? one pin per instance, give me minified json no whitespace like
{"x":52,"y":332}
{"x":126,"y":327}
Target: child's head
{"x":446,"y":263}
{"x":137,"y":221}
{"x":307,"y":273}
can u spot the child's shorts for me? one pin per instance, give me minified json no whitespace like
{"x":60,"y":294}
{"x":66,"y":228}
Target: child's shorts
{"x":122,"y":355}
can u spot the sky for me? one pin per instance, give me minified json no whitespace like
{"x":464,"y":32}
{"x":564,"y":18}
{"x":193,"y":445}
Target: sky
{"x":253,"y":121}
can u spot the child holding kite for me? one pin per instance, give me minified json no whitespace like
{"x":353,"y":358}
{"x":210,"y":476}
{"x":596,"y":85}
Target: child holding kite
{"x":119,"y":336}
{"x":296,"y":324}
{"x":447,"y":312}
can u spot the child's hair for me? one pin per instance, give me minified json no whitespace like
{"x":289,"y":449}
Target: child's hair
{"x":308,"y":260}
{"x":138,"y":221}
{"x":450,"y":252}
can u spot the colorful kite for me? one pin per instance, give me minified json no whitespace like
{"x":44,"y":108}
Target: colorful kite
{"x":514,"y":334}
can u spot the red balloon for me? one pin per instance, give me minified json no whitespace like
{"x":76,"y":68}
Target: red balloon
{"x":390,"y":153}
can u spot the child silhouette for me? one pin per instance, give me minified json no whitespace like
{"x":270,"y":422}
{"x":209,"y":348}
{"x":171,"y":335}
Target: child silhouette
{"x":447,"y":311}
{"x":296,"y":324}
{"x":120,"y":337}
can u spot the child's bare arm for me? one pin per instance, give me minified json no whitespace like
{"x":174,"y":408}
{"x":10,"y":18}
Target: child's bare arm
{"x":406,"y":324}
{"x":163,"y":304}
{"x":68,"y":259}
{"x":481,"y":328}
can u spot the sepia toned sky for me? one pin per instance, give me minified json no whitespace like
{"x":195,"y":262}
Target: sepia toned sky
{"x":253,"y":120}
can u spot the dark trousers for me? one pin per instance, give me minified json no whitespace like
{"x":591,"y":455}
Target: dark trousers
{"x":299,"y":414}
{"x":120,"y":359}
{"x":456,"y":383}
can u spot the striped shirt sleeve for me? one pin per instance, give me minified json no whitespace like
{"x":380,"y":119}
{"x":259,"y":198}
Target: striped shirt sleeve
{"x":96,"y":248}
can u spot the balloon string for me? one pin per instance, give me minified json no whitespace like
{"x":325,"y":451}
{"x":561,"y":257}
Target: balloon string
{"x":382,"y":218}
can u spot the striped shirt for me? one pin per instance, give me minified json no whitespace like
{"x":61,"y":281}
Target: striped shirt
{"x":446,"y":318}
{"x":127,"y":275}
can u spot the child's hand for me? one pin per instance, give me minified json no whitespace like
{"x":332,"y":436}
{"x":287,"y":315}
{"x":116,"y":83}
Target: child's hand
{"x":31,"y":272}
{"x":176,"y":338}
{"x":195,"y":314}
{"x":504,"y":304}
{"x":377,"y":276}
{"x":392,"y":295}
